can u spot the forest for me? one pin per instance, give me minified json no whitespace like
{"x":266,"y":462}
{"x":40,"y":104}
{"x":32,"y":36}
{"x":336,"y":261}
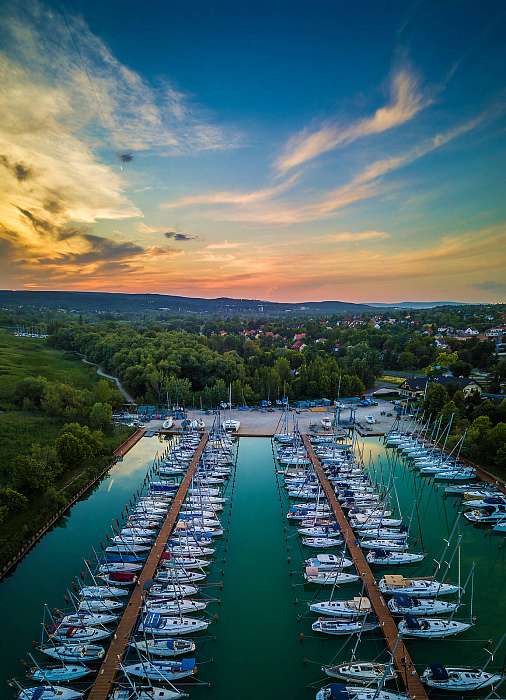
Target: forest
{"x":157,"y":365}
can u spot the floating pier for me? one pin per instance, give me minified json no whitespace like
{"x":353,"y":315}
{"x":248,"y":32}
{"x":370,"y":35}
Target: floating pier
{"x":103,"y":684}
{"x":402,"y":659}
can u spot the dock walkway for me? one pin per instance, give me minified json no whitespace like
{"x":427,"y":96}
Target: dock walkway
{"x":134,"y":438}
{"x":403,"y":662}
{"x":103,"y":684}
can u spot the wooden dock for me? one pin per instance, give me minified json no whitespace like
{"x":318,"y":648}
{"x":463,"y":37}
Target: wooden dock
{"x":134,"y":438}
{"x":103,"y":684}
{"x":403,"y":662}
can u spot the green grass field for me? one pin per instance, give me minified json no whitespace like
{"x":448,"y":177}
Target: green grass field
{"x":25,"y":357}
{"x":31,"y":357}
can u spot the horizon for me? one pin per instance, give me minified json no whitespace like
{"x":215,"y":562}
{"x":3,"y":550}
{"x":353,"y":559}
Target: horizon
{"x":282,"y":153}
{"x":258,"y":299}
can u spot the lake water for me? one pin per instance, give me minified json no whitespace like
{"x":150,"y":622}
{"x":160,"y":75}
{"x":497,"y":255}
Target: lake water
{"x":261,"y":643}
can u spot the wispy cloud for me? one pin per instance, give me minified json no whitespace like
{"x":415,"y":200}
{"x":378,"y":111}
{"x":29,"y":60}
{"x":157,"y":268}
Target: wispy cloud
{"x":232,"y":197}
{"x":102,"y":93}
{"x":364,"y":185}
{"x":223,"y":245}
{"x":357,"y":236}
{"x":407,"y":99}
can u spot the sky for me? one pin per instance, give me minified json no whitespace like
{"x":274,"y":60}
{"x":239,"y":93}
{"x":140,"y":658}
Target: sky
{"x":288,"y":151}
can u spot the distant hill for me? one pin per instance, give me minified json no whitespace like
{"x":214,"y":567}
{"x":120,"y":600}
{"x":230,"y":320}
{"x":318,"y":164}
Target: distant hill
{"x":419,"y":304}
{"x":112,"y":302}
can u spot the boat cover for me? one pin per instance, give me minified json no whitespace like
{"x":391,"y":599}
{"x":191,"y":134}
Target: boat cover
{"x":188,"y":664}
{"x":439,"y":672}
{"x":403,"y":601}
{"x":121,"y":576}
{"x":38,"y":693}
{"x":153,"y":619}
{"x":381,"y":553}
{"x":412,"y":623}
{"x":338,"y":691}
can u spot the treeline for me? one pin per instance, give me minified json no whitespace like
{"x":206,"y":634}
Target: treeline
{"x":483,"y":423}
{"x":157,"y":364}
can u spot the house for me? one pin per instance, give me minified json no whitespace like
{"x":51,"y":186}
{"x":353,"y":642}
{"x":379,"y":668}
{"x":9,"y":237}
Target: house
{"x":496,"y":332}
{"x":414,"y":387}
{"x":471,"y":332}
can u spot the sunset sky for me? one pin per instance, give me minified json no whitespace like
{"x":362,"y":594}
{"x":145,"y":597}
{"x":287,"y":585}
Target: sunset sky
{"x":278,"y":150}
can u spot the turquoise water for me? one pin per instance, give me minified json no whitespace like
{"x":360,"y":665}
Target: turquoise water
{"x":48,"y":569}
{"x":261,"y":643}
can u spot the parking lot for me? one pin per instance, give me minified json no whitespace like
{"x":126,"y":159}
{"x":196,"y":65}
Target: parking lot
{"x":255,"y":421}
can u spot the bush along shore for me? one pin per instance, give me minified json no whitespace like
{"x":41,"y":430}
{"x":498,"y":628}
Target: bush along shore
{"x":73,"y":492}
{"x":56,"y":437}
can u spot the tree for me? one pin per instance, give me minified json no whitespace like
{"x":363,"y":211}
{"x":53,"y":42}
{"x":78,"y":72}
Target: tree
{"x":460,"y":368}
{"x":435,"y":398}
{"x":29,"y":473}
{"x":101,"y":416}
{"x":407,"y":360}
{"x":77,"y":445}
{"x":72,"y":451}
{"x":14,"y":500}
{"x":442,"y":361}
{"x":30,"y":392}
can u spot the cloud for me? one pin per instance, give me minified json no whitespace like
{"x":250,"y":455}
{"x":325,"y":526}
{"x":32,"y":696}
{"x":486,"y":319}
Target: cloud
{"x":264,"y":206}
{"x":180,"y":236}
{"x":238,"y":198}
{"x":364,"y":185}
{"x":357,"y":236}
{"x":386,"y":165}
{"x":406,"y":101}
{"x":20,"y":171}
{"x":223,"y":245}
{"x":495,"y":286}
{"x":104,"y":95}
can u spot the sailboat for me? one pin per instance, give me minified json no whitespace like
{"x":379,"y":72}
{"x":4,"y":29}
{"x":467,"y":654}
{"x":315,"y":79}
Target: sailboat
{"x":162,"y":670}
{"x":49,"y":692}
{"x":339,"y":691}
{"x":74,"y":652}
{"x":146,"y":693}
{"x":431,"y":628}
{"x":405,"y":605}
{"x":161,"y":626}
{"x":356,"y":607}
{"x":344,"y":626}
{"x":164,"y":648}
{"x":230,"y":425}
{"x":458,"y":679}
{"x":66,"y":673}
{"x":361,"y":671}
{"x":417,"y":587}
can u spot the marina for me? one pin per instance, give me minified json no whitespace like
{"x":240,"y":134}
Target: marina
{"x":308,"y":614}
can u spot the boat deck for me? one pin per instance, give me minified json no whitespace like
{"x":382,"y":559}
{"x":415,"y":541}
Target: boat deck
{"x":103,"y":684}
{"x":403,"y":662}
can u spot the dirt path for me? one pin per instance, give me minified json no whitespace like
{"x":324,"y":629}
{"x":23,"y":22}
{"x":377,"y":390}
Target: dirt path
{"x":128,"y":398}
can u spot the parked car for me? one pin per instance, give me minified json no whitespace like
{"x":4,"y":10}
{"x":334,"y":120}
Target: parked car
{"x":370,"y":419}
